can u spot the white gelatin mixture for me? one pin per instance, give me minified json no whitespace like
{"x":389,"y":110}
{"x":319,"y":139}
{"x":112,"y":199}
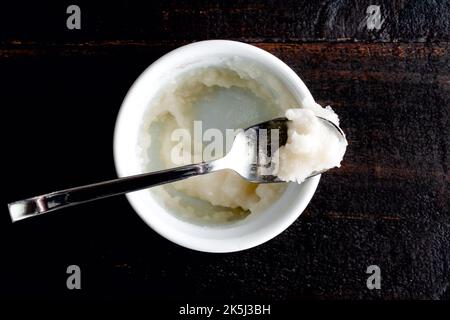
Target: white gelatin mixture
{"x":311,"y":146}
{"x":229,"y":94}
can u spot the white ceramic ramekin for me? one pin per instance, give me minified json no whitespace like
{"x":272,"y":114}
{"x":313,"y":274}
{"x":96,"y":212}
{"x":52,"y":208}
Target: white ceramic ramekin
{"x":256,"y":228}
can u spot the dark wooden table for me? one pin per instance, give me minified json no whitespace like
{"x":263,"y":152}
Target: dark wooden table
{"x":388,"y":205}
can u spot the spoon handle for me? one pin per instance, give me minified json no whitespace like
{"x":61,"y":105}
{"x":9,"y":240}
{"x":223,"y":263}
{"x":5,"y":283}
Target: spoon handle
{"x":65,"y":198}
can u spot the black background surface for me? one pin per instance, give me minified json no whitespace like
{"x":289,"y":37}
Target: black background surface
{"x":388,"y":204}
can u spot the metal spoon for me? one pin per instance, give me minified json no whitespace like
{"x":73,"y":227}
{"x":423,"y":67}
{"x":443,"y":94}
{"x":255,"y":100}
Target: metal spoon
{"x":249,"y":156}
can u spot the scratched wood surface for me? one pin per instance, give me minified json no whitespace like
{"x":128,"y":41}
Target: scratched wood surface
{"x":388,"y":205}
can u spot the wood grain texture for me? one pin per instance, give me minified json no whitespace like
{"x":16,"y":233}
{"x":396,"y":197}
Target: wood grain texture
{"x":387,"y":205}
{"x":275,"y":21}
